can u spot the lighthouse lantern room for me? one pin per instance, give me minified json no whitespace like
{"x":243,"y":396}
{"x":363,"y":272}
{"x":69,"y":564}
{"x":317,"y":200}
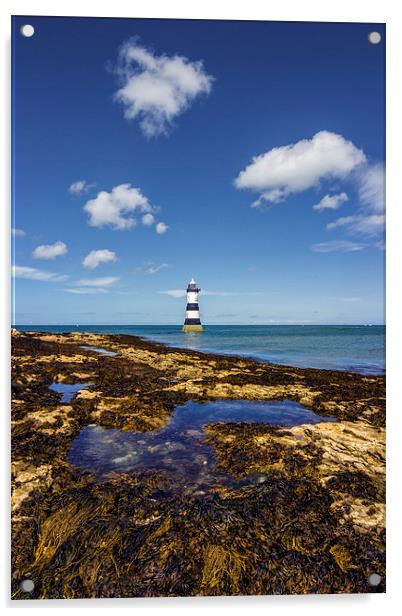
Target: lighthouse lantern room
{"x":192,"y":322}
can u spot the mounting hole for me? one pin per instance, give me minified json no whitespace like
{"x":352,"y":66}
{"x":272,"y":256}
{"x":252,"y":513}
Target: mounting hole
{"x":374,"y":579}
{"x":27,"y":30}
{"x":374,"y":38}
{"x":27,"y":585}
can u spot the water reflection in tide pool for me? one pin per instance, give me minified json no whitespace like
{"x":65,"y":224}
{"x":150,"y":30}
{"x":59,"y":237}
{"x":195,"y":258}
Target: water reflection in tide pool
{"x":179,"y":449}
{"x":99,"y":350}
{"x":68,"y":390}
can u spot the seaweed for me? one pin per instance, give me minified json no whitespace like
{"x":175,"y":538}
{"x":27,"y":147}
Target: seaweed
{"x":308,"y":519}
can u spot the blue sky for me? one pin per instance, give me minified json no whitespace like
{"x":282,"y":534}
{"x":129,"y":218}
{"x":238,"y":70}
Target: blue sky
{"x":249,"y":155}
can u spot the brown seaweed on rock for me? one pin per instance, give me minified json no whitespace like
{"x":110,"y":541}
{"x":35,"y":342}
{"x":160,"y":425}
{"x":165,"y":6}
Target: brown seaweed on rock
{"x":310,"y":518}
{"x":115,"y":539}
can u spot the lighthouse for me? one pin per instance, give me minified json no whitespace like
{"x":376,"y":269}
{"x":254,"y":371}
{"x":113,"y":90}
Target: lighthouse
{"x":192,"y":322}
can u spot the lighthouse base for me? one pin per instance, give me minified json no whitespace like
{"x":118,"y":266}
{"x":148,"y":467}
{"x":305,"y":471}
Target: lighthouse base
{"x":192,"y":328}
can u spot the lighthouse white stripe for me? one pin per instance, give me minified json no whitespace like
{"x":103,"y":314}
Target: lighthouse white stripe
{"x":192,"y":314}
{"x":192,"y":298}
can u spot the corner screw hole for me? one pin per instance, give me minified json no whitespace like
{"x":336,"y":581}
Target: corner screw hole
{"x":374,"y":38}
{"x":27,"y":30}
{"x":27,"y":585}
{"x":374,"y":579}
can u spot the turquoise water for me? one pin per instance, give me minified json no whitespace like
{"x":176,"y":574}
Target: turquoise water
{"x":357,"y":348}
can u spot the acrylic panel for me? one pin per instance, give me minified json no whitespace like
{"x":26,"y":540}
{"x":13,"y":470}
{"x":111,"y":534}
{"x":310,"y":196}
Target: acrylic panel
{"x":198,"y":367}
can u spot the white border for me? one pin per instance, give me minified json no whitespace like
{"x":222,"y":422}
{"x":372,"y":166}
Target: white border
{"x":289,"y":10}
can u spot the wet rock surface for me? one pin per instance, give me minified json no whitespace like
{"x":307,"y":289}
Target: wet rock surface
{"x":311,"y":521}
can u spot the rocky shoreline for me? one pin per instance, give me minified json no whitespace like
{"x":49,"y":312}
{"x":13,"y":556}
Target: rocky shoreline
{"x":314,"y":525}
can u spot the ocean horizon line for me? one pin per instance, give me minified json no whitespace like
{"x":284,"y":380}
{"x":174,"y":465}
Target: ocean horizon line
{"x":204,"y":324}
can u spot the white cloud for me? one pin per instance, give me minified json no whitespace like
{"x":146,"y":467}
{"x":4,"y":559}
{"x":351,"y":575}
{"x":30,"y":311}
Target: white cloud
{"x":331,"y":202}
{"x":337,"y":246}
{"x":80,"y":187}
{"x":372,"y":188}
{"x":380,"y":245}
{"x":359,"y":224}
{"x":96,"y":257}
{"x":114,"y":208}
{"x":369,"y":219}
{"x":174,"y":292}
{"x":86,"y":291}
{"x":297,"y":167}
{"x":148,"y":220}
{"x":231,"y":293}
{"x":31,"y":273}
{"x":152,"y":268}
{"x":161,"y":228}
{"x":50,"y":251}
{"x":18,"y":232}
{"x":92,"y":286}
{"x":182,"y":293}
{"x":301,"y":166}
{"x":156,"y":89}
{"x":223,"y":293}
{"x":97,"y":282}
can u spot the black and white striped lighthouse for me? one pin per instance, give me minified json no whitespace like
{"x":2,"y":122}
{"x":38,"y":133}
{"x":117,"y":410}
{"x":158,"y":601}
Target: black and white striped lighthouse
{"x":192,"y":322}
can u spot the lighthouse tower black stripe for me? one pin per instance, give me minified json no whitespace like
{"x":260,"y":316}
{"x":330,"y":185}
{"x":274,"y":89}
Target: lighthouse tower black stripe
{"x":192,"y":307}
{"x":192,"y":322}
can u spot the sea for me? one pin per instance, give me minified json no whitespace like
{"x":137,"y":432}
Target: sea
{"x":353,"y":348}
